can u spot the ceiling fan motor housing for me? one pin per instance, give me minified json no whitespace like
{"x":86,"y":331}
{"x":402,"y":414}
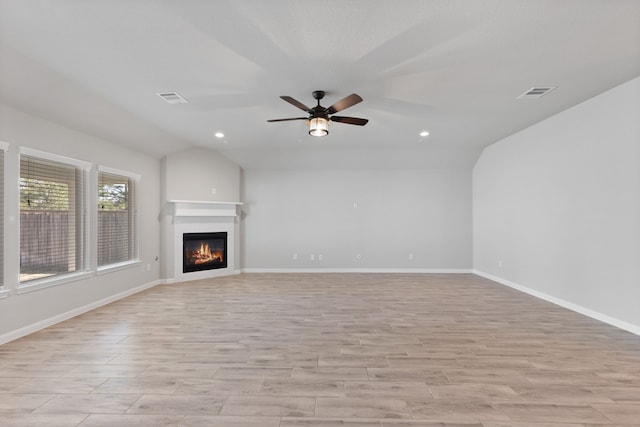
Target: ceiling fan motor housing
{"x":318,"y":111}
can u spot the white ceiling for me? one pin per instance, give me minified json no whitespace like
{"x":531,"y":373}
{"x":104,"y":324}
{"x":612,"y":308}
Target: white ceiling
{"x":454,"y":67}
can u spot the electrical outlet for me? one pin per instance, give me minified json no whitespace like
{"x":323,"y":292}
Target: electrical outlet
{"x":312,"y":257}
{"x":295,"y":256}
{"x":320,"y":258}
{"x":214,"y":191}
{"x":410,"y":256}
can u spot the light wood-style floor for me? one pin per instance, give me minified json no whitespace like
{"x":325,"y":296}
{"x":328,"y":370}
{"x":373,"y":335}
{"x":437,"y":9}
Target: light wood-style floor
{"x":294,"y":350}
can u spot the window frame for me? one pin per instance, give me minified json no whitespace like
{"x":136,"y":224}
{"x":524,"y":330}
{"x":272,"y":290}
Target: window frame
{"x":134,"y":226}
{"x":82,"y":215}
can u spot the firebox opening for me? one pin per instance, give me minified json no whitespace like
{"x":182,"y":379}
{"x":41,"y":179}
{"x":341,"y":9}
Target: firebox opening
{"x":204,"y":251}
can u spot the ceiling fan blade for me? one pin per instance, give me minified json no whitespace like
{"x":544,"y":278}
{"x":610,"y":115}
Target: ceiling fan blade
{"x":286,"y":120}
{"x":296,"y":103}
{"x":347,"y":102}
{"x":349,"y":120}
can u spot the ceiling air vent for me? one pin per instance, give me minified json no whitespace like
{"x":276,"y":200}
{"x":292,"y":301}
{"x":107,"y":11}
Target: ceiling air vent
{"x":536,"y":92}
{"x":172,"y":97}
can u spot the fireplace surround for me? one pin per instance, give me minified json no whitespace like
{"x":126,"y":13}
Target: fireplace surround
{"x":201,"y":219}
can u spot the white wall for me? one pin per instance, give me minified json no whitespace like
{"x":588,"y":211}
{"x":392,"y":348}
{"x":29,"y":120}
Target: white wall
{"x":557,"y":208}
{"x":424,"y":212}
{"x":23,"y":313}
{"x":192,"y":174}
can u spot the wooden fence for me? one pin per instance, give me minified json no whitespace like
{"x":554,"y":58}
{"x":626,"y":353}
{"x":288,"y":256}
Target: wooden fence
{"x":45,"y":243}
{"x":48,"y":241}
{"x":113,"y":237}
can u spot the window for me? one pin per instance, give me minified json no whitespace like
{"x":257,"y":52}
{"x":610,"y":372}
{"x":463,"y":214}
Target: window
{"x":52,"y":215}
{"x":116,"y":217}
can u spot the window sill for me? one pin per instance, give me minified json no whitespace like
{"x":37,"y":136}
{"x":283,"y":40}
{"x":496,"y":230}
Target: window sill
{"x":4,"y":293}
{"x":118,"y":266}
{"x":34,"y":285}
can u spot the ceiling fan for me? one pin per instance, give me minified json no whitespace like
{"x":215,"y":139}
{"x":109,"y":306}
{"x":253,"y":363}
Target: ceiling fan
{"x":319,"y":116}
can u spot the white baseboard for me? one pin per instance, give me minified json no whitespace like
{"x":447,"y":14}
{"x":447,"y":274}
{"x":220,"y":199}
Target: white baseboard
{"x":24,"y":331}
{"x":635,"y":329}
{"x":173,"y":280}
{"x":360,"y":270}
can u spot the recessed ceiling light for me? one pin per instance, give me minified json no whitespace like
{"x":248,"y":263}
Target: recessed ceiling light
{"x":424,"y":133}
{"x":219,"y":135}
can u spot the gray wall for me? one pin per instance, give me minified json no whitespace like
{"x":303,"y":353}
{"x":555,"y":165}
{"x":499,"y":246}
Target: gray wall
{"x":192,"y":174}
{"x":423,"y":212}
{"x":557,"y":207}
{"x":20,"y":312}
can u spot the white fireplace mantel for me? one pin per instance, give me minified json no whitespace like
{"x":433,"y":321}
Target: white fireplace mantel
{"x":195,"y":208}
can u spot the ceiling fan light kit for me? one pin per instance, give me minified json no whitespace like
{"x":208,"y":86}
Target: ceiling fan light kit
{"x":318,"y":126}
{"x":320,"y":117}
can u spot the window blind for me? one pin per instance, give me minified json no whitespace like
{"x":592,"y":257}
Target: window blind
{"x":51,"y":218}
{"x":116,"y":218}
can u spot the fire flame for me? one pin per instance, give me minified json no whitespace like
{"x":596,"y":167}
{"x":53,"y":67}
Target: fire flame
{"x":205,"y":254}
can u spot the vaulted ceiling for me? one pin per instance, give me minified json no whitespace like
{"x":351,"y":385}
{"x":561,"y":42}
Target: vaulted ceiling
{"x":452,"y":67}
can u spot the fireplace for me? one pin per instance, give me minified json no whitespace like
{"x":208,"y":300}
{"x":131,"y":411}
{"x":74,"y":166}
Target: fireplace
{"x":204,"y":251}
{"x":204,"y":227}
